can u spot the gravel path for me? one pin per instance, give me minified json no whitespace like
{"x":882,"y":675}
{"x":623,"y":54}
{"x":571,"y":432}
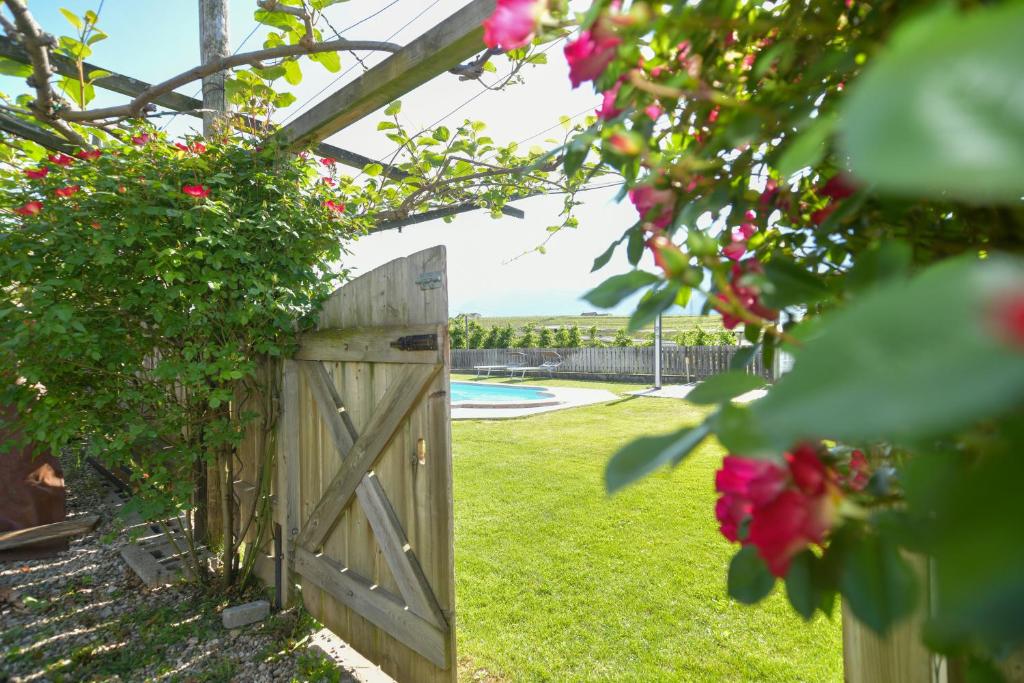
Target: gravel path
{"x":84,"y":616}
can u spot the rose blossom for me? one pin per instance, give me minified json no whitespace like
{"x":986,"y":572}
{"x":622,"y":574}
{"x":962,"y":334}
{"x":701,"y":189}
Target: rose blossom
{"x":29,"y":208}
{"x":196,"y":191}
{"x":589,"y":55}
{"x":786,"y":508}
{"x":513,"y":23}
{"x":649,"y":200}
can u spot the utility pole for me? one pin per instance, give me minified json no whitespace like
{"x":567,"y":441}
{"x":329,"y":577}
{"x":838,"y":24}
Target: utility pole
{"x":213,"y":43}
{"x":657,"y":352}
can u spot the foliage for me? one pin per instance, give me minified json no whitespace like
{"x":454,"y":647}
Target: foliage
{"x":134,"y":311}
{"x":622,"y":338}
{"x":701,"y":337}
{"x":527,"y":340}
{"x":841,"y":180}
{"x":545,"y":339}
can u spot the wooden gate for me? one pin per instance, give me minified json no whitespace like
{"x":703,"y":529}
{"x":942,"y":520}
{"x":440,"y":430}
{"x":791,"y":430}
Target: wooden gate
{"x":364,"y":491}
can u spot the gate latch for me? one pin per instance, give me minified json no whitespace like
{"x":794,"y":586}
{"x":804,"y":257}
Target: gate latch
{"x":430,"y":280}
{"x":416,"y":342}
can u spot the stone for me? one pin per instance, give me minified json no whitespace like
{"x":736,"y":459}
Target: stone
{"x":241,"y":615}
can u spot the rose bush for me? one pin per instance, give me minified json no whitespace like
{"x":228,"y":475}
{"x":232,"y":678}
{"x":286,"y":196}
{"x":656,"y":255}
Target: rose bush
{"x":815,"y":169}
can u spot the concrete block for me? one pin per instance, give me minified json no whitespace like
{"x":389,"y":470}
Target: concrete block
{"x":151,"y":572}
{"x":249,"y":613}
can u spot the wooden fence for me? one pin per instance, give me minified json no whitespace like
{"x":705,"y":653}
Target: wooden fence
{"x":678,"y":363}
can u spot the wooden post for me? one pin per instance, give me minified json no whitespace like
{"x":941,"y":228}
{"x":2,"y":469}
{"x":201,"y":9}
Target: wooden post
{"x":213,"y":43}
{"x":657,"y":352}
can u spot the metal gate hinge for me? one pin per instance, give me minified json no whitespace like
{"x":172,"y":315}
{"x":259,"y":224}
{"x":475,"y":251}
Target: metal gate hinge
{"x":430,"y":280}
{"x":416,"y":342}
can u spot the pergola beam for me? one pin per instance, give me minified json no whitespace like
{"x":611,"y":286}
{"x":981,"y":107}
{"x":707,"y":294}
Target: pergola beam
{"x":125,"y":85}
{"x":441,"y":48}
{"x":23,"y":129}
{"x":399,"y":223}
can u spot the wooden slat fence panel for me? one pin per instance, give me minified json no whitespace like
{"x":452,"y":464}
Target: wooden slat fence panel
{"x":679,"y":363}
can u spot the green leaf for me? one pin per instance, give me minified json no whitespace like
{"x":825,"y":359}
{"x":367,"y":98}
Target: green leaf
{"x":723,"y":387}
{"x":329,"y":60}
{"x":938,"y":113}
{"x":97,"y":74}
{"x":885,"y":262}
{"x":743,"y":356}
{"x":284,"y":99}
{"x":576,"y":152}
{"x":736,"y":428}
{"x":749,"y":579}
{"x":373,"y":170}
{"x":292,"y":72}
{"x":790,"y":284}
{"x":72,"y":18}
{"x":906,"y":360}
{"x":878,"y":584}
{"x":635,"y":247}
{"x":441,"y":134}
{"x":642,"y":456}
{"x":9,"y":67}
{"x":801,"y":590}
{"x":605,"y":257}
{"x":393,"y":108}
{"x":651,"y":305}
{"x":616,"y":288}
{"x":808,"y":147}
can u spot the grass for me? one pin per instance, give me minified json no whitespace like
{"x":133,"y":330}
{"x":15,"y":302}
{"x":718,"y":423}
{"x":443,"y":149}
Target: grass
{"x":607,"y":326}
{"x":558,"y":582}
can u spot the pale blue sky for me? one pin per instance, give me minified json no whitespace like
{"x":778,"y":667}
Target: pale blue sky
{"x":155,"y":39}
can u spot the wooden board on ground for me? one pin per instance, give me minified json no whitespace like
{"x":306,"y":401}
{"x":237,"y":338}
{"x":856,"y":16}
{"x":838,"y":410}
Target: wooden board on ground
{"x":47,"y":532}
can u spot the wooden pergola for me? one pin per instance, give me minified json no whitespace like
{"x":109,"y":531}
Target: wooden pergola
{"x":439,"y":50}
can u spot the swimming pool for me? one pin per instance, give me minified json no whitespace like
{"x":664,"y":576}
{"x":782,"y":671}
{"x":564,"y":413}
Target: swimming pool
{"x":474,"y":395}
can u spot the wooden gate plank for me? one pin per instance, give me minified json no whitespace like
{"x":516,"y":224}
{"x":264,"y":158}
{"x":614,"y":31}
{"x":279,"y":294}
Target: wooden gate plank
{"x":367,"y":345}
{"x":388,"y":415}
{"x":378,"y":606}
{"x":387,"y":528}
{"x":401,"y":559}
{"x":288,"y":472}
{"x":330,"y":405}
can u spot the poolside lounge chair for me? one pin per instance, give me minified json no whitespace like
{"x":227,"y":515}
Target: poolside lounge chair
{"x":551,"y":361}
{"x":515,"y":361}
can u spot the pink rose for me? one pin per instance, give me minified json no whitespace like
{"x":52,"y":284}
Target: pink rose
{"x":589,"y":55}
{"x":787,"y":508}
{"x":608,"y":110}
{"x":656,"y":206}
{"x":513,"y":23}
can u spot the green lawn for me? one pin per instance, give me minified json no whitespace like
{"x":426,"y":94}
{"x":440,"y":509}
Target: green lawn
{"x":556,"y":581}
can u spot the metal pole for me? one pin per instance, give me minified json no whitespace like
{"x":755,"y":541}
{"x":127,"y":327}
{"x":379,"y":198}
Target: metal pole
{"x":657,"y":352}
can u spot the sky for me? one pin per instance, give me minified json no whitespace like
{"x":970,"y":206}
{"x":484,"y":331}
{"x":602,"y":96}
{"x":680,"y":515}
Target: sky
{"x":489,"y":270}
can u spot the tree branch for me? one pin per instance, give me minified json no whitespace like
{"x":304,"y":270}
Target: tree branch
{"x":135,"y":107}
{"x":36,"y":43}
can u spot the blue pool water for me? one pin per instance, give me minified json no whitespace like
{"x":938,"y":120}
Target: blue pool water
{"x":491,"y":393}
